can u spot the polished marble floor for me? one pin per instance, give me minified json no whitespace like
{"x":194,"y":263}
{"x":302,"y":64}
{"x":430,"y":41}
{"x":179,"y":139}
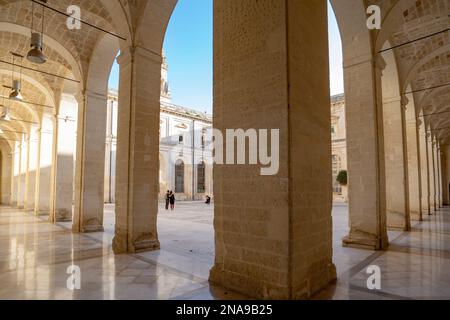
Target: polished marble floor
{"x":35,"y":256}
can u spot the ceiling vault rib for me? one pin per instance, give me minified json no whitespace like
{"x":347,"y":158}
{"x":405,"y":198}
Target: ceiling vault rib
{"x":43,"y":72}
{"x":415,"y":40}
{"x":28,"y":102}
{"x":430,"y":88}
{"x":82,"y":21}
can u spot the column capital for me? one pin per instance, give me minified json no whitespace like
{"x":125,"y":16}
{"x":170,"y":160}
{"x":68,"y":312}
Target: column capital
{"x":95,"y":95}
{"x":129,"y":54}
{"x":379,"y":62}
{"x":404,"y":101}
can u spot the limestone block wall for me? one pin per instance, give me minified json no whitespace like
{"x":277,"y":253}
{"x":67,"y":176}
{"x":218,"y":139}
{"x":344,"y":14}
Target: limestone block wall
{"x":273,"y":233}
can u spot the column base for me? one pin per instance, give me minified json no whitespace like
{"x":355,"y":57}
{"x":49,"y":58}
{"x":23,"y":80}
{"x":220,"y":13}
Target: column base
{"x":93,"y":228}
{"x":89,"y":225}
{"x":416,"y":216}
{"x":143,"y":243}
{"x":398,"y":221}
{"x":260,"y":289}
{"x":42,"y":213}
{"x":364,"y":240}
{"x":61,"y":215}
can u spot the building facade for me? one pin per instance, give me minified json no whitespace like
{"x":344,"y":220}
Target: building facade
{"x":185,"y":155}
{"x":338,"y":145}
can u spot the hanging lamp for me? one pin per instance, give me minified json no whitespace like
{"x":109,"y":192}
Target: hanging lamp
{"x":16,"y":85}
{"x":36,"y":55}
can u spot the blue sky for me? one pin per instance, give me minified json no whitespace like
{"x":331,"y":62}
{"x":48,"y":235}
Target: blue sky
{"x":188,"y":47}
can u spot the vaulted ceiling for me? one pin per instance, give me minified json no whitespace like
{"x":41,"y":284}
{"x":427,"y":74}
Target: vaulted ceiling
{"x":423,"y":65}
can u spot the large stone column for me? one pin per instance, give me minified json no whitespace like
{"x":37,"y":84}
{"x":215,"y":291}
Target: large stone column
{"x":23,"y":173}
{"x":431,"y":183}
{"x":43,"y":185}
{"x":424,"y":168}
{"x":365,"y":153}
{"x":62,"y":174}
{"x":444,"y":175}
{"x":273,"y":233}
{"x":437,"y":160}
{"x":414,"y":169}
{"x":397,"y":197}
{"x":90,"y":162}
{"x":15,"y":173}
{"x":137,"y":151}
{"x":6,"y":178}
{"x":32,"y":168}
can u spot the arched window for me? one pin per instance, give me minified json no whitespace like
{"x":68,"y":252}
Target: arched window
{"x":179,"y":176}
{"x":201,"y":177}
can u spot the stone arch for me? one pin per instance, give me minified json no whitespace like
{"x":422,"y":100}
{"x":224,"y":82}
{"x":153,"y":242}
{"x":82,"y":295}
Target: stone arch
{"x":49,"y":41}
{"x":153,"y":23}
{"x":91,"y":137}
{"x":357,"y":42}
{"x":364,"y":122}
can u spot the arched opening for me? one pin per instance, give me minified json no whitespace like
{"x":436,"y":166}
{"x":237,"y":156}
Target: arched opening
{"x":179,"y":176}
{"x":201,"y":171}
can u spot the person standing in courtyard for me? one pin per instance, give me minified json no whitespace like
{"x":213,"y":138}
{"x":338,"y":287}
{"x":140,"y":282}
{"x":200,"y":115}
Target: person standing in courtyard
{"x":172,"y":200}
{"x":167,"y":199}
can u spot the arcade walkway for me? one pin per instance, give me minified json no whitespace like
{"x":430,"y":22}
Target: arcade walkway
{"x":34,"y":257}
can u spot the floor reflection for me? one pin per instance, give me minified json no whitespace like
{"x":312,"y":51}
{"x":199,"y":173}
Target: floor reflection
{"x":35,"y":256}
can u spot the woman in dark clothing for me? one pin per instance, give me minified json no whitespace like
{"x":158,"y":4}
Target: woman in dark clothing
{"x":172,"y":200}
{"x":167,"y":199}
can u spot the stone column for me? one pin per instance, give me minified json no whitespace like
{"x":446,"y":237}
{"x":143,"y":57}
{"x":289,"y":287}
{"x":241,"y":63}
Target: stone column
{"x":438,"y":174}
{"x":22,"y":181}
{"x":137,"y":151}
{"x":424,"y":167}
{"x":32,"y":168}
{"x":365,"y":153}
{"x":90,"y":162}
{"x":444,"y":176}
{"x":62,"y":174}
{"x":446,"y":180}
{"x":397,"y":198}
{"x":43,"y":185}
{"x":38,"y":169}
{"x":15,"y":172}
{"x":273,"y":232}
{"x":430,"y":153}
{"x":6,"y":178}
{"x":414,"y":169}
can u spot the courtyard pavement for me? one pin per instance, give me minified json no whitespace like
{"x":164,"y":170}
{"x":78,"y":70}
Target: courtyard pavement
{"x":35,"y":255}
